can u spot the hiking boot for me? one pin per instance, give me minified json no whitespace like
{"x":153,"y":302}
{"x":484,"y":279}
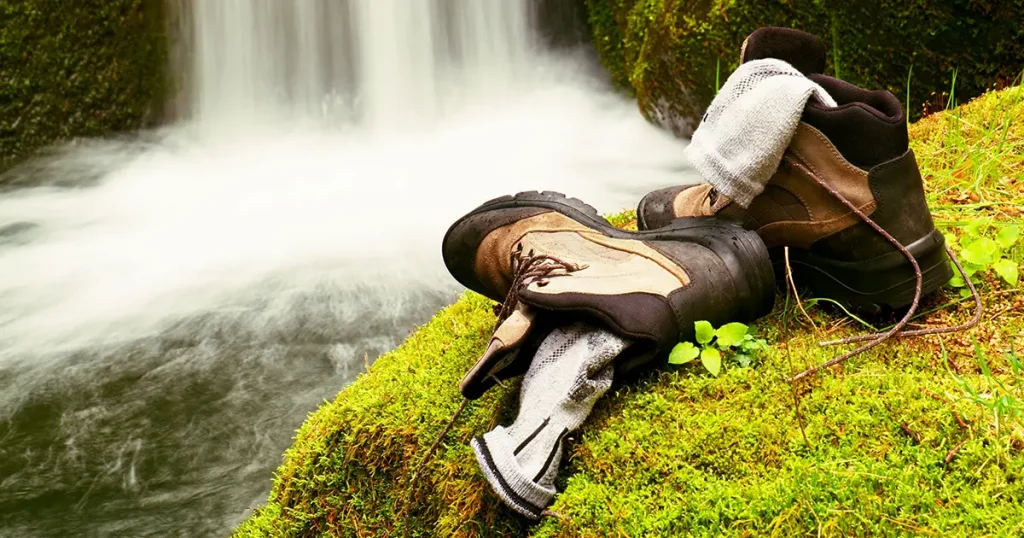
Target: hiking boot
{"x":858,"y":149}
{"x":550,"y":260}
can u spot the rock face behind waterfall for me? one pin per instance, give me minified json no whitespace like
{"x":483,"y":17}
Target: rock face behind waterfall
{"x":669,"y":52}
{"x":77,"y":68}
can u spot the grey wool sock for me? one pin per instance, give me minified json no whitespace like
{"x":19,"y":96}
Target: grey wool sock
{"x":571,"y":369}
{"x":741,"y":139}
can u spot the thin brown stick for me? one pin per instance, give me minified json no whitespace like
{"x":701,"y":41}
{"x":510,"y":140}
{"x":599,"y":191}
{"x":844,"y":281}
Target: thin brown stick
{"x":937,"y":330}
{"x":956,"y":450}
{"x":790,"y":287}
{"x":796,"y":295}
{"x":914,"y":436}
{"x":423,"y":461}
{"x":918,"y":277}
{"x":961,"y":422}
{"x":911,"y":433}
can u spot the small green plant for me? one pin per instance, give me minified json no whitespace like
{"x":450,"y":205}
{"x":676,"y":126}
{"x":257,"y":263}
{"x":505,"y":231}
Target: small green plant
{"x":979,"y":252}
{"x":735,"y":340}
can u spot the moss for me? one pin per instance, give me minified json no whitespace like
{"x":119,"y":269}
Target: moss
{"x":973,"y":157}
{"x":870,"y":453}
{"x":669,"y":52}
{"x":81,"y":68}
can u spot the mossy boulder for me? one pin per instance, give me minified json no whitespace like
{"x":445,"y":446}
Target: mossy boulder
{"x":884,"y":445}
{"x":670,"y":53}
{"x":76,"y":69}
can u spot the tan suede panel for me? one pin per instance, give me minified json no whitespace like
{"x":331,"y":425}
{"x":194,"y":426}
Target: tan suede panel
{"x":512,"y":331}
{"x":719,"y":204}
{"x":607,"y":270}
{"x":639,"y":248}
{"x":693,"y":202}
{"x":493,"y":256}
{"x":696,"y":202}
{"x":612,"y":266}
{"x":827,"y":214}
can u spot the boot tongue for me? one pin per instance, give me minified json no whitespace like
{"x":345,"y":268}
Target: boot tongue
{"x":508,"y":352}
{"x":800,"y":49}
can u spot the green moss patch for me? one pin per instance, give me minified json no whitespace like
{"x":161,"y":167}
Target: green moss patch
{"x":886,"y":444}
{"x":77,"y":69}
{"x":973,"y":157}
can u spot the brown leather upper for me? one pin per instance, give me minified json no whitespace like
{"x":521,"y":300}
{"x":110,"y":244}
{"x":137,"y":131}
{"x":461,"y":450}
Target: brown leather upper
{"x":819,"y":215}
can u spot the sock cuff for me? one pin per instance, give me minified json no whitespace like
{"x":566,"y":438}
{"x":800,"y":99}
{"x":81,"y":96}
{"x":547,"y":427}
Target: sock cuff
{"x":495,"y":454}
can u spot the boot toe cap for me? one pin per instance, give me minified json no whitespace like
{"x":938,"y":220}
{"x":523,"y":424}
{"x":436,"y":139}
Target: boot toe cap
{"x":657,"y":209}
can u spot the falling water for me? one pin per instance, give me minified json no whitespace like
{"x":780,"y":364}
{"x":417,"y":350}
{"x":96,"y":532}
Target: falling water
{"x":173,"y":305}
{"x":404,"y":61}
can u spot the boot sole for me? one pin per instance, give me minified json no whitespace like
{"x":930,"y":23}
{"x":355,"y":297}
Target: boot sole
{"x":742,"y":251}
{"x":876,"y":286}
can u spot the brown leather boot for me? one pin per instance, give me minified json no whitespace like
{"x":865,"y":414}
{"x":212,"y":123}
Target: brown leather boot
{"x":551,"y":260}
{"x":858,"y":149}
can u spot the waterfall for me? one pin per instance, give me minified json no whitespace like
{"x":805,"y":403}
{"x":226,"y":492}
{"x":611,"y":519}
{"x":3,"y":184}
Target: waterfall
{"x":174,"y":304}
{"x":389,"y":63}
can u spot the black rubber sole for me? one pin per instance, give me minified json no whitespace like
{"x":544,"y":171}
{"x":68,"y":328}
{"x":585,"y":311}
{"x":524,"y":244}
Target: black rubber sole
{"x":876,"y":286}
{"x":742,"y":251}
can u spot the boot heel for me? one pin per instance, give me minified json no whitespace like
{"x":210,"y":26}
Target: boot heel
{"x":874,"y":286}
{"x":743,"y":252}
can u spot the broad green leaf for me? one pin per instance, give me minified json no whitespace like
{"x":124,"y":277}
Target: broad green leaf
{"x":957,"y":281}
{"x":683,"y":353}
{"x":965,"y":293}
{"x":1006,"y":269}
{"x":971,"y":269}
{"x":730,"y":334}
{"x":712,"y":360}
{"x":705,"y":332}
{"x":757,"y":344}
{"x":974,"y":227}
{"x":1007,"y":236}
{"x":744,"y":360}
{"x":982,"y":252}
{"x":966,"y":240}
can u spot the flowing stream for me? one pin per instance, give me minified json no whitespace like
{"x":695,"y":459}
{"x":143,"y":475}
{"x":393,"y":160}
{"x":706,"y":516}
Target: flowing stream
{"x":175,"y":302}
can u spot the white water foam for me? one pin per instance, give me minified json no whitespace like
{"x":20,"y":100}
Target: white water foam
{"x":250,"y":189}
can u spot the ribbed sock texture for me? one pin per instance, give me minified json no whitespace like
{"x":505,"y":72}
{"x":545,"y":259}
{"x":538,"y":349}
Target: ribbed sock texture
{"x":570,"y":371}
{"x":746,"y":129}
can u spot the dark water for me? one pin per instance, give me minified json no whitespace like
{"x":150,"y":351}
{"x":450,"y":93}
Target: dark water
{"x":178,"y":434}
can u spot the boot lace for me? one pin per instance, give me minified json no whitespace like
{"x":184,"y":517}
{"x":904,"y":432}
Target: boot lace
{"x":526,"y":269}
{"x":897,"y":330}
{"x":529,"y":268}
